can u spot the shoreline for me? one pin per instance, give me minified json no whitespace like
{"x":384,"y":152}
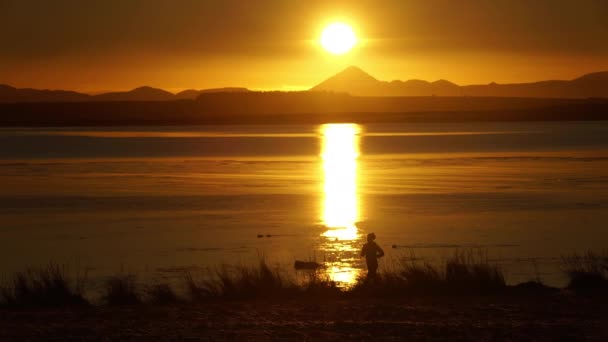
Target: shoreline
{"x":306,"y":108}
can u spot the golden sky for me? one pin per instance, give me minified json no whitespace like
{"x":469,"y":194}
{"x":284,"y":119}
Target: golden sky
{"x":101,"y":45}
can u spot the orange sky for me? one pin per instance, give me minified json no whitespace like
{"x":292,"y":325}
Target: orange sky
{"x":101,"y":45}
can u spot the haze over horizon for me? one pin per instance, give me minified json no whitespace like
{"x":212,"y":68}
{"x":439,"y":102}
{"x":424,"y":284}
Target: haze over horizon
{"x":112,"y":45}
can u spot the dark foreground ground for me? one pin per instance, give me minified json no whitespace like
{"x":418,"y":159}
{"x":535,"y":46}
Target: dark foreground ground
{"x":563,"y":317}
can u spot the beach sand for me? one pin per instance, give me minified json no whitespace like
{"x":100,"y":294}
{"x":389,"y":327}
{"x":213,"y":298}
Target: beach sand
{"x":565,"y":317}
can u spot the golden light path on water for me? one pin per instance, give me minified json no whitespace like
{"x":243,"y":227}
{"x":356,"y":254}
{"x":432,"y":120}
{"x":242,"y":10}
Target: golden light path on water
{"x":341,"y":205}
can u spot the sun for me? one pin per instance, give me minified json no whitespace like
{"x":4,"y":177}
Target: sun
{"x":338,"y":38}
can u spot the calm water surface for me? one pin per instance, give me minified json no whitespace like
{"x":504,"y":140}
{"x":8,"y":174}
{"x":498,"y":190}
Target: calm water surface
{"x":158,"y":201}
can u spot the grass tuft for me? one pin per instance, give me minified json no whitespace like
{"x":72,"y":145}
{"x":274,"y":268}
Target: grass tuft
{"x":250,"y":282}
{"x":44,"y":287}
{"x":587,"y":272}
{"x":121,"y":290}
{"x":161,"y":294}
{"x":419,"y":277}
{"x":197,"y":291}
{"x":319,"y":285}
{"x":466,"y":272}
{"x":470,"y":271}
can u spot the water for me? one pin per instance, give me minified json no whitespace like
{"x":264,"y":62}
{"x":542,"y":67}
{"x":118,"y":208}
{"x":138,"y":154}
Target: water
{"x":158,"y":201}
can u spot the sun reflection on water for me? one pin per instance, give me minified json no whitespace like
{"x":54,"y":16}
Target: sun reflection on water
{"x":341,"y":200}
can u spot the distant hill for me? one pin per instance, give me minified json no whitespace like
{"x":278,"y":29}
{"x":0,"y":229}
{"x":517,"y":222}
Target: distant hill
{"x":193,"y":94}
{"x":137,"y":94}
{"x":10,"y":94}
{"x":357,"y":82}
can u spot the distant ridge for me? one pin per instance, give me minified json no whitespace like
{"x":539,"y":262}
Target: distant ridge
{"x":137,"y":94}
{"x":10,"y":94}
{"x":357,"y":82}
{"x":352,"y":80}
{"x":193,"y":94}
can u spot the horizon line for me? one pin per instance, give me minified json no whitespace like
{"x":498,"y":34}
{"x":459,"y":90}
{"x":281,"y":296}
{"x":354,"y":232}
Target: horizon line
{"x":284,"y":88}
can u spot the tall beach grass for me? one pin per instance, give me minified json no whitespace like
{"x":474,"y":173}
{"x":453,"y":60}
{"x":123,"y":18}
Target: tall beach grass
{"x":49,"y":286}
{"x":464,"y":273}
{"x":586,"y":271}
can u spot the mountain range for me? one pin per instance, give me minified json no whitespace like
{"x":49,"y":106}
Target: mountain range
{"x":357,"y":82}
{"x":14,"y":95}
{"x":352,"y":81}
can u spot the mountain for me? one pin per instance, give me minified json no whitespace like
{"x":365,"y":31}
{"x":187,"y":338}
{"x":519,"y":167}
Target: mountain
{"x":357,"y":82}
{"x":354,"y":81}
{"x":15,"y":95}
{"x":137,"y":94}
{"x":587,"y":86}
{"x":193,"y":94}
{"x":11,"y":94}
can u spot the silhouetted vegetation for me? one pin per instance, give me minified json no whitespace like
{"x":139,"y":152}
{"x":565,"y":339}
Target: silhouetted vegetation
{"x":320,"y":285}
{"x":161,"y":294}
{"x":50,"y":286}
{"x":251,"y":282}
{"x":196,"y":290}
{"x":533,"y":288}
{"x":259,"y":281}
{"x":464,"y":273}
{"x":471,"y":272}
{"x":121,"y":290}
{"x":588,"y":272}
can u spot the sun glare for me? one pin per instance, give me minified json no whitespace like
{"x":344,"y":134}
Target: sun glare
{"x":341,"y":212}
{"x":338,"y":38}
{"x":340,"y":153}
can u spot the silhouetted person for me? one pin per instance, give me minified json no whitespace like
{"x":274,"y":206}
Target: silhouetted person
{"x":372,"y":252}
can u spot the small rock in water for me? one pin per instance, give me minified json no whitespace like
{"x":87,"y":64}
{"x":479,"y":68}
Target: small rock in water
{"x":306,"y":265}
{"x":394,"y":246}
{"x":268,"y":235}
{"x":260,"y":236}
